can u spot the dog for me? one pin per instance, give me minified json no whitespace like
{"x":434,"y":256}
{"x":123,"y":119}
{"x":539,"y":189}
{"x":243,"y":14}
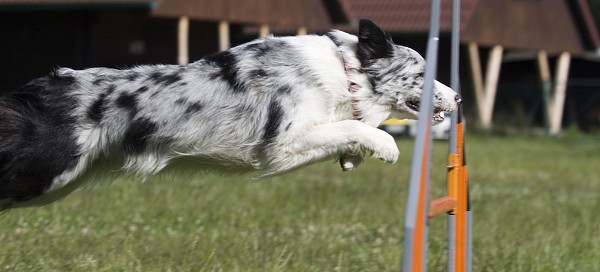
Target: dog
{"x":271,"y":105}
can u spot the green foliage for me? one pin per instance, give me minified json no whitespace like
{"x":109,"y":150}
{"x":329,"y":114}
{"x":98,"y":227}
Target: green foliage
{"x":535,"y":203}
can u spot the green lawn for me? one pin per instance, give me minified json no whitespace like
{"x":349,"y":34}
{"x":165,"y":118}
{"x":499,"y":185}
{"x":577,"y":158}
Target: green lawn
{"x":535,"y":203}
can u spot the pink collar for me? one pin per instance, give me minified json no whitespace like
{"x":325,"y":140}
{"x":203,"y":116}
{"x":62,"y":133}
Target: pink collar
{"x":353,"y":87}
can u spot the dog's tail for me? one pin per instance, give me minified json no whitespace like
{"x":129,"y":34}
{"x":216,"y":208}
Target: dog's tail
{"x":36,"y":139}
{"x":15,"y":129}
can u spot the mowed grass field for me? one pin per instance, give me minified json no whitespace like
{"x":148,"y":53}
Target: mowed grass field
{"x":536,"y":204}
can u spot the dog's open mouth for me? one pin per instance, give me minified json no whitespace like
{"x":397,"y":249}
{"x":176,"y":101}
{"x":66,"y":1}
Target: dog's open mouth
{"x":414,"y":105}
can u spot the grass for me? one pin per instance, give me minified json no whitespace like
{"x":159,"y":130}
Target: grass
{"x":535,"y":203}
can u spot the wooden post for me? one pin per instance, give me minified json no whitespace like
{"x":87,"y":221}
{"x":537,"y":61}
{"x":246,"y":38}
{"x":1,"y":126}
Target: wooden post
{"x":182,"y":40}
{"x":263,"y":31}
{"x":485,"y":89}
{"x":553,"y":92}
{"x":557,"y":102}
{"x":545,"y":83}
{"x":224,"y":35}
{"x":491,"y":84}
{"x":302,"y":31}
{"x":475,"y":64}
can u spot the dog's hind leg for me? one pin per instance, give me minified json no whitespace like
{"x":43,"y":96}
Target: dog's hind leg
{"x":333,"y":139}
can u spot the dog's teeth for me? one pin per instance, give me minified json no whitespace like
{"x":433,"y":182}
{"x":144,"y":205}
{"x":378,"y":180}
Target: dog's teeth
{"x":437,"y":116}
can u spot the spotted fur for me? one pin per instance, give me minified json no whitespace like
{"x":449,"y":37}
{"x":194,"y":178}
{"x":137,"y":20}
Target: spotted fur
{"x":271,"y":105}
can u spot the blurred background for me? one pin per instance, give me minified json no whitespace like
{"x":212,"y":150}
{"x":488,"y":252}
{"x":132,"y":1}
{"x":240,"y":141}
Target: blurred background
{"x":526,"y":65}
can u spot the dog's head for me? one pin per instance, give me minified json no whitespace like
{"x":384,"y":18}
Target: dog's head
{"x":396,"y":72}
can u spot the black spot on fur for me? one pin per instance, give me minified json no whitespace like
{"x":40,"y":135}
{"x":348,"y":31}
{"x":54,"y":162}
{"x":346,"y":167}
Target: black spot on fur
{"x":165,"y":79}
{"x":142,"y":89}
{"x":96,"y":110}
{"x":274,"y":117}
{"x":404,"y":78}
{"x":155,"y":93}
{"x":37,"y":139}
{"x":396,"y":69}
{"x":264,"y":49}
{"x":229,"y":71}
{"x":156,"y":76}
{"x":171,"y":79}
{"x":180,"y":101}
{"x":128,"y":102}
{"x":137,"y":136}
{"x":222,"y":59}
{"x":285,"y":89}
{"x":132,"y":76}
{"x":98,"y":81}
{"x":193,"y":108}
{"x":258,"y":73}
{"x":288,"y":126}
{"x":110,"y":89}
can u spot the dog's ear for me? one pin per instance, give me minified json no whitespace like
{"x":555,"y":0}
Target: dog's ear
{"x":373,"y":43}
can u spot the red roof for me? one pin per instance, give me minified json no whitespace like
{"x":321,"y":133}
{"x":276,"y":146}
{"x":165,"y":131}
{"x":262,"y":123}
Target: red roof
{"x":552,"y":25}
{"x":405,"y":15}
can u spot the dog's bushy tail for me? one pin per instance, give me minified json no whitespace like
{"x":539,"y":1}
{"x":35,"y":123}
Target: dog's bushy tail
{"x":15,"y":128}
{"x":37,"y":140}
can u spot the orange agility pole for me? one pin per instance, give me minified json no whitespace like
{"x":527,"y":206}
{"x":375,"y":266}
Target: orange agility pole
{"x":459,"y":218}
{"x":458,"y":225}
{"x":415,"y":223}
{"x":456,"y":204}
{"x":441,"y":205}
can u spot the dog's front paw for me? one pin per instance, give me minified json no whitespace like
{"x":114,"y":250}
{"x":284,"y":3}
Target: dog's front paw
{"x":389,"y":155}
{"x":350,"y":162}
{"x":387,"y":150}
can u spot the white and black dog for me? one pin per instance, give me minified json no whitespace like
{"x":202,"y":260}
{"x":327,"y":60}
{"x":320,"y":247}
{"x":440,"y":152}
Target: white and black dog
{"x":273,"y":105}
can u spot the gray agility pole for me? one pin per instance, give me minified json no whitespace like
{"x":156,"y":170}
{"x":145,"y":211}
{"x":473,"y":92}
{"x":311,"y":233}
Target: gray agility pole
{"x":457,"y":202}
{"x":455,"y":85}
{"x":459,"y":218}
{"x":415,"y":223}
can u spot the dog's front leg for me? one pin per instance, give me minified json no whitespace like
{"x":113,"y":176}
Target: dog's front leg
{"x":341,"y":139}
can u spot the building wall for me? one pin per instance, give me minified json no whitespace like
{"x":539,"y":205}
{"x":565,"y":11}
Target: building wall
{"x":35,"y":42}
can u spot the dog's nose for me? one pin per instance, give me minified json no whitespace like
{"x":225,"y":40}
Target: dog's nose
{"x":458,"y":99}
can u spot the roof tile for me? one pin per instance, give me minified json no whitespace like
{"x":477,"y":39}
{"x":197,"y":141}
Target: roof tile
{"x":406,"y":15}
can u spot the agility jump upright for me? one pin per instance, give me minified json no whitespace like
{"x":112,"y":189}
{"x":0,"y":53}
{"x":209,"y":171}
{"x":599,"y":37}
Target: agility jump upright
{"x":419,"y":208}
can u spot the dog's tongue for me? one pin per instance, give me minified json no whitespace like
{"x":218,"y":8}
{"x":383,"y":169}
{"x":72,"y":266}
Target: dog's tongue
{"x":437,"y":116}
